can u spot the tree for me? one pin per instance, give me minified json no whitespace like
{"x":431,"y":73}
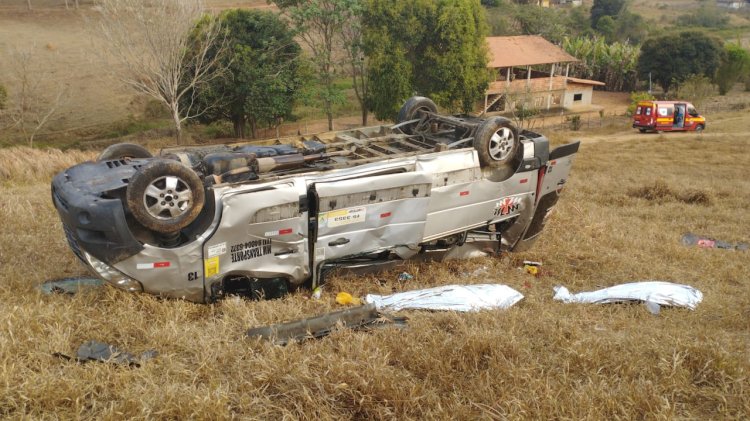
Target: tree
{"x":262,"y":77}
{"x":158,"y":53}
{"x":433,"y":48}
{"x":549,"y":23}
{"x":629,"y":27}
{"x":613,"y":63}
{"x":34,"y":95}
{"x":672,"y":58}
{"x":319,"y":23}
{"x":602,"y":8}
{"x":351,"y":36}
{"x":735,"y":67}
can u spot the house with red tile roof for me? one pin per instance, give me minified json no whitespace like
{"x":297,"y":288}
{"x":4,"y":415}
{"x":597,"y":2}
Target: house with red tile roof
{"x":532,"y":73}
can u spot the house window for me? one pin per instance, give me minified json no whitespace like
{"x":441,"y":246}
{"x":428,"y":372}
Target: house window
{"x":577,"y":97}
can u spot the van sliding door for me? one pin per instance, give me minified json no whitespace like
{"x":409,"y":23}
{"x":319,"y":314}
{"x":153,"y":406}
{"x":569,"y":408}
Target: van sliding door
{"x":370,"y":214}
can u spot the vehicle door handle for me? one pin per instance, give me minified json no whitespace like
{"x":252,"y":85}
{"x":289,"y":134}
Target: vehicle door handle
{"x":339,"y":242}
{"x":284,"y":252}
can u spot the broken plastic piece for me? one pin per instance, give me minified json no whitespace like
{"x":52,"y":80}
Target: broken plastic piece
{"x":361,"y":317}
{"x":317,"y":292}
{"x":655,"y":292}
{"x":69,"y":285}
{"x":450,"y":297}
{"x":530,"y":269}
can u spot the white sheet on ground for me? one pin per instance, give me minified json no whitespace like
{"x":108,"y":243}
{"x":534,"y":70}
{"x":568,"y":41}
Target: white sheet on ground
{"x":657,"y":292}
{"x":450,"y":297}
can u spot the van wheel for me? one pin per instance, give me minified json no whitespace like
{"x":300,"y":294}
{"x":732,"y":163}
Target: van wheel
{"x":496,"y":141}
{"x":124,"y":150}
{"x":414,"y":108}
{"x":699,"y":128}
{"x":642,"y":130}
{"x":165,"y":196}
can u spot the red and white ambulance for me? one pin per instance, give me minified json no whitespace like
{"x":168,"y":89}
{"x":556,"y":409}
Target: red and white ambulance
{"x":666,"y":116}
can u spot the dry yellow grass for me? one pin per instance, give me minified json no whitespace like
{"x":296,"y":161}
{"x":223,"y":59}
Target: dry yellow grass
{"x":20,"y":164}
{"x":539,"y":360}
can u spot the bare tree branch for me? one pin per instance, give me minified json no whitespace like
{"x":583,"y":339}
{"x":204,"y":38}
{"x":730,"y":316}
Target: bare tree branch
{"x":165,"y":49}
{"x":33,"y":97}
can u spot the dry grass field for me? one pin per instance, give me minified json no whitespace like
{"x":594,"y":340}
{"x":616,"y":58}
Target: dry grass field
{"x":538,"y":360}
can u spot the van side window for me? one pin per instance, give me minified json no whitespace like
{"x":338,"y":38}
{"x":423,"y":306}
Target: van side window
{"x":664,"y":112}
{"x":638,"y":111}
{"x":692,"y":111}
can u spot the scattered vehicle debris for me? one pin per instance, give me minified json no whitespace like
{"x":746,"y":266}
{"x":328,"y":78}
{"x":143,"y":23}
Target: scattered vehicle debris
{"x":404,"y":276}
{"x":69,"y":286}
{"x":532,"y":268}
{"x":317,"y":292}
{"x":102,"y":352}
{"x":655,"y":292}
{"x":690,"y":239}
{"x":449,"y":297}
{"x":204,"y":222}
{"x":358,"y":318}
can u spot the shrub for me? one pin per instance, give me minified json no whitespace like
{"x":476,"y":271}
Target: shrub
{"x":155,"y":109}
{"x":696,"y":88}
{"x":3,"y":97}
{"x":575,"y":122}
{"x":638,"y":96}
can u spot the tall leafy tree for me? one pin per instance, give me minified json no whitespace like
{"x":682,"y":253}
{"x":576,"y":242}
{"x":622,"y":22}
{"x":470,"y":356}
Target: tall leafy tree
{"x":734,"y":67}
{"x":319,"y":24}
{"x":602,"y":8}
{"x":434,"y":48}
{"x":263,"y":72}
{"x":672,"y":58}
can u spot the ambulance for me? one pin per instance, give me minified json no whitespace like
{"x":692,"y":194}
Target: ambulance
{"x":667,"y":116}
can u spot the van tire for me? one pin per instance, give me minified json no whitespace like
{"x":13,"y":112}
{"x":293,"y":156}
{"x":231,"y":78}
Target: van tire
{"x":412,"y":109}
{"x":496,"y":141}
{"x":122,"y":151}
{"x":699,"y":128}
{"x":165,"y":196}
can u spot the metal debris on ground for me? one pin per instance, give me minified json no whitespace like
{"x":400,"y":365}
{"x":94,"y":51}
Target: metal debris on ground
{"x":654,"y":293}
{"x":364,"y":317}
{"x":102,"y":352}
{"x":450,"y":297}
{"x":690,"y":239}
{"x":69,"y":286}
